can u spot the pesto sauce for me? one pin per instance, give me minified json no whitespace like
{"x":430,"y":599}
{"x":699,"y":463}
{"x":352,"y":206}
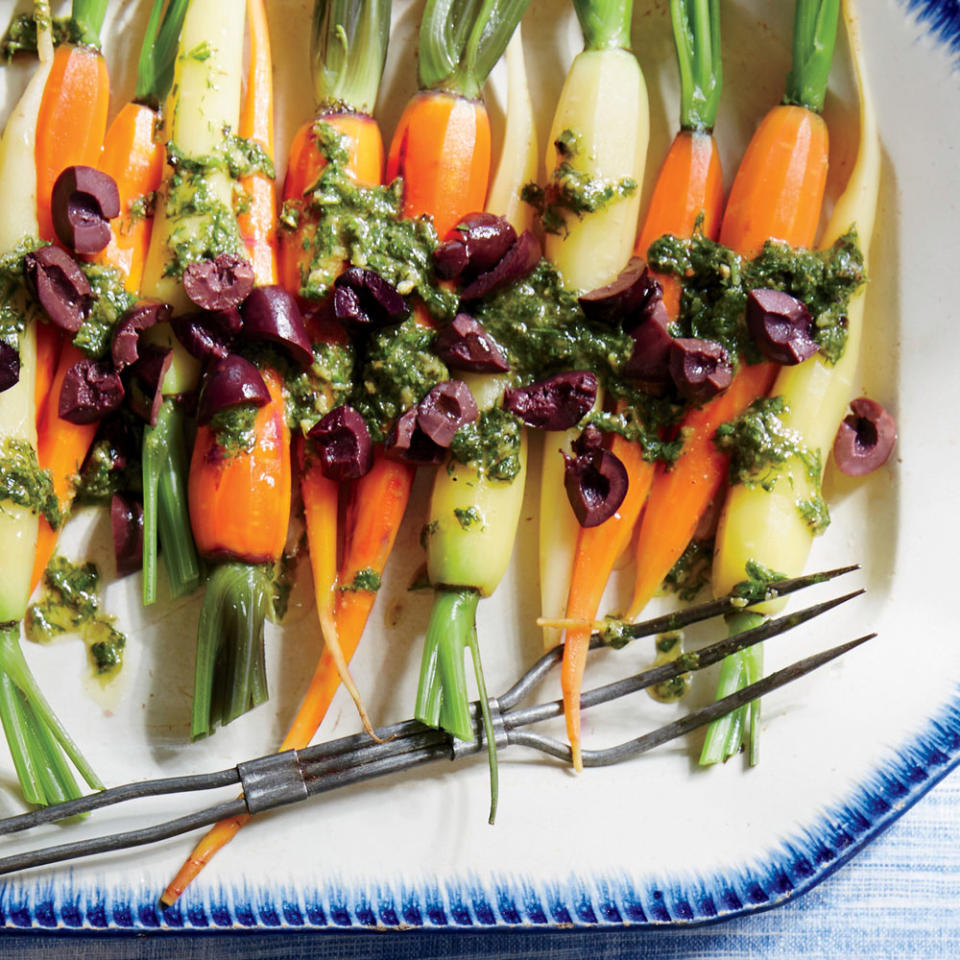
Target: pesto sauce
{"x":202,"y":226}
{"x":571,"y":191}
{"x":756,"y":588}
{"x":111,"y":302}
{"x":233,"y":428}
{"x":717,"y":281}
{"x":691,"y":573}
{"x":15,"y":312}
{"x":71,"y":604}
{"x":492,"y":442}
{"x":108,"y":469}
{"x":23,"y":482}
{"x":399,"y":371}
{"x":468,"y":517}
{"x":340,"y":221}
{"x":367,"y":579}
{"x":669,"y":647}
{"x":539,"y":325}
{"x":21,"y":34}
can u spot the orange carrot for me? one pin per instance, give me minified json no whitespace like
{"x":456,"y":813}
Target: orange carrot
{"x":135,"y":161}
{"x":777,"y":193}
{"x":240,"y":503}
{"x":442,"y":150}
{"x":258,"y":219}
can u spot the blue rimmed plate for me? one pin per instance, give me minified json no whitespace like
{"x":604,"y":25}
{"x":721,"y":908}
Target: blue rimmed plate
{"x":657,"y":841}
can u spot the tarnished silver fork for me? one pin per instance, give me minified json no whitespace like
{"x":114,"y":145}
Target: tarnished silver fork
{"x":294,"y":775}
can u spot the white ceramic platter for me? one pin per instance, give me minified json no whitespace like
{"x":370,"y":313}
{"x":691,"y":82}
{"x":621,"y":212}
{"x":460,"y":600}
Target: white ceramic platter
{"x":657,"y":840}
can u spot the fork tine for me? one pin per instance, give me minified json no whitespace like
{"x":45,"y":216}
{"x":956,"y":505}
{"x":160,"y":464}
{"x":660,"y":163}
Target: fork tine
{"x":632,"y":748}
{"x":686,"y":663}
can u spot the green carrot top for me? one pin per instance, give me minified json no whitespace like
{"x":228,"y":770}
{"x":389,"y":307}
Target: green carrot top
{"x":696,"y":32}
{"x":158,"y":53}
{"x":605,"y":23}
{"x":461,"y":41}
{"x":349,"y":49}
{"x":86,"y":18}
{"x":814,"y":36}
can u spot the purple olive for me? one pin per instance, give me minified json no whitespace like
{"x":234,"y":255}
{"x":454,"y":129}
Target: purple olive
{"x":90,"y":391}
{"x":475,"y":245}
{"x":9,"y":366}
{"x":126,"y":519}
{"x":650,"y":360}
{"x":407,"y":441}
{"x":343,"y":443}
{"x":700,"y":368}
{"x":218,"y":284}
{"x":229,"y":382}
{"x":270,"y":313}
{"x":596,"y":483}
{"x":557,"y":403}
{"x":781,"y":326}
{"x":126,"y":338}
{"x":444,"y":410}
{"x":208,"y":333}
{"x":83,"y":203}
{"x":865,"y":438}
{"x":624,"y":297}
{"x":464,"y":345}
{"x":145,"y":381}
{"x":517,"y":263}
{"x":589,"y":440}
{"x":62,"y":288}
{"x":363,"y":299}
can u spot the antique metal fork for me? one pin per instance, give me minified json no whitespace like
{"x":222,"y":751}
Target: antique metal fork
{"x":284,"y":778}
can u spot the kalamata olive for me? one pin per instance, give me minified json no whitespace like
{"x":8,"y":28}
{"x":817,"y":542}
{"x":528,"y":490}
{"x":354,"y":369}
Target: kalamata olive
{"x":363,"y":299}
{"x":90,"y":391}
{"x":450,"y":259}
{"x":229,"y":382}
{"x":865,"y":438}
{"x":517,"y":263}
{"x":218,"y":284}
{"x":126,"y":519}
{"x":589,"y":440}
{"x":83,"y":203}
{"x":145,"y":314}
{"x":270,"y":313}
{"x":444,"y":410}
{"x":624,"y":297}
{"x":9,"y":366}
{"x":145,"y":381}
{"x":557,"y":403}
{"x":484,"y":240}
{"x":596,"y":483}
{"x":700,"y":368}
{"x":342,"y":442}
{"x":781,"y":326}
{"x":209,"y":333}
{"x":407,"y":441}
{"x":464,"y":345}
{"x":62,"y":288}
{"x":650,"y":360}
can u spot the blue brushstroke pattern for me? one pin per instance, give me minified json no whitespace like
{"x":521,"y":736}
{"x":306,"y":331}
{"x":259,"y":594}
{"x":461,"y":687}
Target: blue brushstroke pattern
{"x":941,"y":18}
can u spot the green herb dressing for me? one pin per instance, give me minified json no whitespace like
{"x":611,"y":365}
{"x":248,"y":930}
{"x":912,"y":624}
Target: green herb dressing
{"x":571,"y":191}
{"x":233,"y":428}
{"x":717,"y":281}
{"x":111,"y":302}
{"x":367,"y":579}
{"x":669,"y":647}
{"x":71,"y":604}
{"x":23,"y":482}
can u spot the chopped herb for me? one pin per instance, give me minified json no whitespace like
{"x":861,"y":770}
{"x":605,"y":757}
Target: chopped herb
{"x":23,"y":482}
{"x":427,"y":531}
{"x":756,"y":587}
{"x":341,"y":221}
{"x":492,"y":442}
{"x":571,"y":191}
{"x":71,"y":604}
{"x":716,"y":282}
{"x":233,"y":428}
{"x":691,"y":572}
{"x":201,"y":52}
{"x":111,"y":302}
{"x":21,"y":35}
{"x":468,"y":517}
{"x":669,"y":647}
{"x":815,"y":513}
{"x":366,"y":579}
